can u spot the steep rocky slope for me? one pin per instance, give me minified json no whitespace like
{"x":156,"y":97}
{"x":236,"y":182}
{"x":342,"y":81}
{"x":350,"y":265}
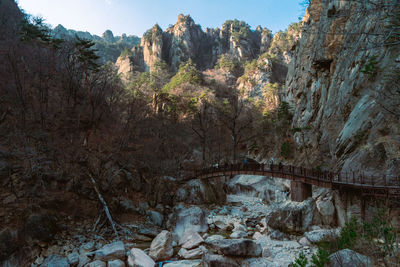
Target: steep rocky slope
{"x":186,"y":40}
{"x":339,"y":83}
{"x":269,"y":70}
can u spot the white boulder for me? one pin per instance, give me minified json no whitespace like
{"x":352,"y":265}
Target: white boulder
{"x":161,"y":247}
{"x":137,"y":258}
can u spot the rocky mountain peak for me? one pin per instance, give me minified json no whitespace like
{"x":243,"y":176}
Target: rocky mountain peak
{"x":185,"y":19}
{"x":108,"y":36}
{"x":186,"y":40}
{"x":152,"y":34}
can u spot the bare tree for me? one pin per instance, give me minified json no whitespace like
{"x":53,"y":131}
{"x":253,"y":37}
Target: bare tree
{"x":203,"y":118}
{"x":236,"y":115}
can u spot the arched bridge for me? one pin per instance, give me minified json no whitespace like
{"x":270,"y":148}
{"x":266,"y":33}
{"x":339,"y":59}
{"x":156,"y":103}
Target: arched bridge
{"x":302,"y":179}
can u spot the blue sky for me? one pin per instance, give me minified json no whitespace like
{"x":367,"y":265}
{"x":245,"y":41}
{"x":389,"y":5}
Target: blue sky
{"x":136,"y":16}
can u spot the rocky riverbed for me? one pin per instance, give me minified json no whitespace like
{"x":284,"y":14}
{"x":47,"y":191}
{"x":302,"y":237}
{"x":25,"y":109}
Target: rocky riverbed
{"x":257,"y":225}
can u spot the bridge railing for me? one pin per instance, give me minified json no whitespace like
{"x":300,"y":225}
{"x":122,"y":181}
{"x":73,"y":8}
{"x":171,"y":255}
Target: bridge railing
{"x":354,"y":178}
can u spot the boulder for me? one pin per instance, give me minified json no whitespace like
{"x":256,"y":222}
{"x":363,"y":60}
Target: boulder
{"x":223,"y":222}
{"x":283,"y":258}
{"x":141,"y":238}
{"x":238,"y":247}
{"x":340,"y":209}
{"x":161,"y":247}
{"x":258,"y":262}
{"x":73,"y":258}
{"x":189,"y":218}
{"x":111,"y":251}
{"x":156,"y":218}
{"x":96,"y":263}
{"x":55,"y":261}
{"x":190,"y":239}
{"x":143,"y":207}
{"x":148,"y":232}
{"x":52,"y":250}
{"x":277,"y":235}
{"x":213,"y":239}
{"x":83,"y":260}
{"x":237,"y":226}
{"x":184,"y":263}
{"x":304,"y":241}
{"x":269,"y":190}
{"x":326,"y":209}
{"x":192,"y":254}
{"x":318,"y":236}
{"x":347,"y":257}
{"x":137,"y":258}
{"x":293,"y":217}
{"x":41,"y":227}
{"x":116,"y":263}
{"x":87,"y":247}
{"x":257,"y":235}
{"x":210,"y":260}
{"x":238,"y":234}
{"x":199,"y":192}
{"x":127,"y":205}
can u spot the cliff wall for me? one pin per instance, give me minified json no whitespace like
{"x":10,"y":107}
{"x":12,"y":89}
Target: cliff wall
{"x":342,"y":84}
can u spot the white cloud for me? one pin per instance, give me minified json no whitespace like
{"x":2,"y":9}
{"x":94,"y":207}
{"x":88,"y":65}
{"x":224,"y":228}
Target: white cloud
{"x":110,"y":2}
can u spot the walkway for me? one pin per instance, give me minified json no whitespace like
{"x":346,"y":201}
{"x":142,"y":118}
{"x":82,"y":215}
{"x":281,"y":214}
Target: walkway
{"x":368,"y":186}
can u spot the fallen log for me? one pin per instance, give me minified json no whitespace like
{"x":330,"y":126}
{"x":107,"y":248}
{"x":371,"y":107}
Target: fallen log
{"x":106,"y":210}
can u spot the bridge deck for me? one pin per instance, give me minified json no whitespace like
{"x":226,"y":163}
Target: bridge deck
{"x":373,"y":186}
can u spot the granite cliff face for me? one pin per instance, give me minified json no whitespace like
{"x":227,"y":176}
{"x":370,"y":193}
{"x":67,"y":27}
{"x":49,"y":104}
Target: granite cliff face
{"x":338,"y":86}
{"x":186,"y":40}
{"x":269,"y":70}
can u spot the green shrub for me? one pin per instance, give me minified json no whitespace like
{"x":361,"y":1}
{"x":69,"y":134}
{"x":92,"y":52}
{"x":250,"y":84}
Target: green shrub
{"x":153,"y":33}
{"x":300,"y":261}
{"x":286,"y":150}
{"x":370,"y":68}
{"x":359,"y":137}
{"x":299,"y":129}
{"x":240,"y":29}
{"x":377,"y":237}
{"x":320,"y":259}
{"x":126,"y":53}
{"x":228,"y":63}
{"x":349,"y":234}
{"x":187,"y":74}
{"x":380,"y":228}
{"x":284,"y":110}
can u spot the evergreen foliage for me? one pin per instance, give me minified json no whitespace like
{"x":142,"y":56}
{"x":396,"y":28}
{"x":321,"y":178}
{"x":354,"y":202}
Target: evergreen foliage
{"x":320,"y":259}
{"x":126,"y":53}
{"x":377,"y":237}
{"x":240,"y":29}
{"x":300,"y":261}
{"x":370,"y":68}
{"x":86,"y":54}
{"x":152,"y":33}
{"x":229,"y":63}
{"x":187,"y":73}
